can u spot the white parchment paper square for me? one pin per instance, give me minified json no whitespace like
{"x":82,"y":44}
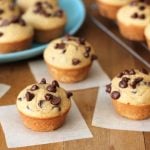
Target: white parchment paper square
{"x":17,"y":135}
{"x":106,"y":117}
{"x":3,"y":89}
{"x":95,"y":77}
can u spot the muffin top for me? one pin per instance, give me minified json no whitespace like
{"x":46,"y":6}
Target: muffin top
{"x":8,"y":10}
{"x":43,"y":100}
{"x":15,"y":30}
{"x":136,"y":13}
{"x":116,"y":2}
{"x":69,"y":52}
{"x":45,"y":16}
{"x":147,"y":31}
{"x":131,"y":87}
{"x":25,"y":4}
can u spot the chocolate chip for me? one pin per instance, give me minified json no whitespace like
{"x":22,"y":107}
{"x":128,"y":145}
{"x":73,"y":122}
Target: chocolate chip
{"x":108,"y":88}
{"x":86,"y":54}
{"x":115,"y":95}
{"x":48,"y":96}
{"x":59,"y":13}
{"x":19,"y":99}
{"x":51,"y":88}
{"x":55,"y":83}
{"x":34,"y":87}
{"x":123,"y":84}
{"x":136,"y":81}
{"x":28,"y":107}
{"x":1,"y":34}
{"x":38,"y":4}
{"x":88,"y":49}
{"x":22,"y":22}
{"x":132,"y":72}
{"x":126,"y":72}
{"x":120,"y":74}
{"x":1,"y":11}
{"x":43,"y":81}
{"x":141,"y":8}
{"x":75,"y":61}
{"x":144,"y":71}
{"x":55,"y":100}
{"x":69,"y":94}
{"x":142,"y":16}
{"x":93,"y":57}
{"x":40,"y":103}
{"x":29,"y":96}
{"x":135,"y":15}
{"x":82,"y":41}
{"x":126,"y":79}
{"x":60,"y":46}
{"x":64,"y":51}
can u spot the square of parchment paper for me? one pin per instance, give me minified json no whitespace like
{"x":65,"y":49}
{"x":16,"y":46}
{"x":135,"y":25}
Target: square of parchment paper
{"x":106,"y":117}
{"x":17,"y":135}
{"x":95,"y":77}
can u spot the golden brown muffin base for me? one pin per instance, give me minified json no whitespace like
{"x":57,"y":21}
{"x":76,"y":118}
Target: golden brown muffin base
{"x":43,"y":125}
{"x":132,"y":111}
{"x":108,"y":11}
{"x":148,"y":43}
{"x":44,"y":36}
{"x":15,"y":46}
{"x":69,"y":75}
{"x":132,"y":32}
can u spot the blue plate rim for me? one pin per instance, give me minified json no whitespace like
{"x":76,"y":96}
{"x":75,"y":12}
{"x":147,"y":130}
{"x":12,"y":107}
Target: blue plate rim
{"x":5,"y":58}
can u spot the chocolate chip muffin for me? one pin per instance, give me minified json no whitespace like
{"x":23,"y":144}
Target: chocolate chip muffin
{"x":15,"y":35}
{"x":69,"y":58}
{"x":25,"y":4}
{"x":109,"y":8}
{"x":147,"y":35}
{"x":8,"y":10}
{"x":44,"y":106}
{"x":48,"y":21}
{"x":132,"y":20}
{"x":130,"y":93}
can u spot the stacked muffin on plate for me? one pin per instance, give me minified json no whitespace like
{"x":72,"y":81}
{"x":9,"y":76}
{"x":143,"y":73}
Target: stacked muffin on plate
{"x":42,"y":21}
{"x":133,"y":18}
{"x":15,"y":34}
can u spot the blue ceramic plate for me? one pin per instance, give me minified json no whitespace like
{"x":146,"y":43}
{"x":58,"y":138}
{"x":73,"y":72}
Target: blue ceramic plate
{"x":75,"y":13}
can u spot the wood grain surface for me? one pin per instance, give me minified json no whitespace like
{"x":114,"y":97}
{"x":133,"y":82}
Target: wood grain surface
{"x":113,"y":59}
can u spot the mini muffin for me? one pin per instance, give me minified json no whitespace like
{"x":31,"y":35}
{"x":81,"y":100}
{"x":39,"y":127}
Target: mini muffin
{"x":43,"y":106}
{"x":48,"y":21}
{"x":132,"y":20}
{"x":109,"y":8}
{"x":130,"y":93}
{"x":15,"y":35}
{"x":69,"y":59}
{"x":147,"y":35}
{"x":8,"y":10}
{"x":25,"y":4}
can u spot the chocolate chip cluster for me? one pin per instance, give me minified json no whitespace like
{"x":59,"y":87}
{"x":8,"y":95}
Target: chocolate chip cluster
{"x":43,"y":8}
{"x":51,"y":88}
{"x":126,"y":82}
{"x":141,"y":7}
{"x":82,"y":42}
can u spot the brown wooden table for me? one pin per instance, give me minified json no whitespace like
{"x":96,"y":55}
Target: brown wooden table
{"x":113,"y":59}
